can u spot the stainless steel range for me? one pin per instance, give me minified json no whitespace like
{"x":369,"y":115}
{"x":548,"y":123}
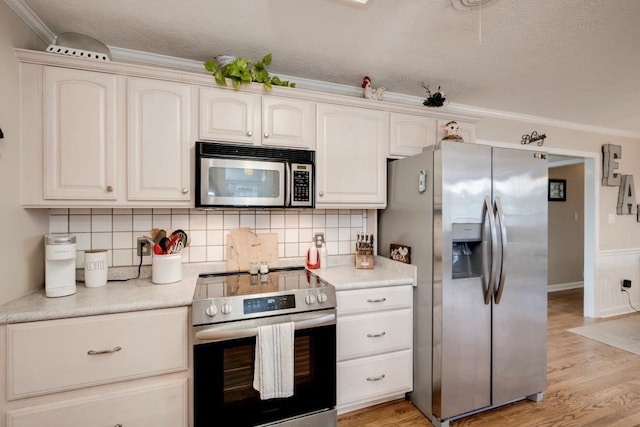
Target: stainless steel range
{"x":227,"y":310}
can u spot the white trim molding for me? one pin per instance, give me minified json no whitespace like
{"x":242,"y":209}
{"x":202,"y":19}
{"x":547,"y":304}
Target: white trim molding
{"x":565,"y":286}
{"x":614,"y":266}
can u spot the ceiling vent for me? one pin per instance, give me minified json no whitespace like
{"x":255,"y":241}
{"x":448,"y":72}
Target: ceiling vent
{"x":81,"y":46}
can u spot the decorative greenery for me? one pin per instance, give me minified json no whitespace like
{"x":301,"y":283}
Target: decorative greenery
{"x":241,"y":71}
{"x":435,"y":99}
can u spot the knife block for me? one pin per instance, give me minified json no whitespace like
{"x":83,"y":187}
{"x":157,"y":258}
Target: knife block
{"x":364,"y":259}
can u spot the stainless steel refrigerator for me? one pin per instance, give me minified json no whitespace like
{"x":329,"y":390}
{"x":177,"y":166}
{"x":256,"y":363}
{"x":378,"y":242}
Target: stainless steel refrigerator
{"x":475,"y":218}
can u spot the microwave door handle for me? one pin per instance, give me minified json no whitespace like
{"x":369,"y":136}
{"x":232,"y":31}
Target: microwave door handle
{"x":287,"y":184}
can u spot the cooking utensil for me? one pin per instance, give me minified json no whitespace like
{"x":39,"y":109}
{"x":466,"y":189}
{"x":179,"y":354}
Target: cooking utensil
{"x":164,"y":244}
{"x":171,"y":245}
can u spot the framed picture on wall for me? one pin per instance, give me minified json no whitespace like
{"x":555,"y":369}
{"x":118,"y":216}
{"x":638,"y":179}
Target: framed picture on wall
{"x":557,"y":190}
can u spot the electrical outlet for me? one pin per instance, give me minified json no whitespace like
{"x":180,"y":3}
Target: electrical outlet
{"x":318,"y":238}
{"x":144,"y":247}
{"x":626,"y":283}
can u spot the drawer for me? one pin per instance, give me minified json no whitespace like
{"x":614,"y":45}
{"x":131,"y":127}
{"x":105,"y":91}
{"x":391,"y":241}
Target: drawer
{"x":374,"y":299}
{"x":373,"y":333}
{"x":373,"y":377}
{"x":51,"y":356}
{"x":158,"y":406}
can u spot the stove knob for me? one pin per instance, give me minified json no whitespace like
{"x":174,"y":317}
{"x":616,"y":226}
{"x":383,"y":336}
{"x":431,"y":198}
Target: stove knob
{"x":322,"y":297}
{"x":212,"y":310}
{"x":226,"y":308}
{"x":310,"y":299}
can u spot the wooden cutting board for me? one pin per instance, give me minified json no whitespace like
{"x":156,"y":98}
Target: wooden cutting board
{"x":245,"y":246}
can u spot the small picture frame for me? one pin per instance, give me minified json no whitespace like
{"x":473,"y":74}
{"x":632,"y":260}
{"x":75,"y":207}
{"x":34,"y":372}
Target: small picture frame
{"x":557,"y":190}
{"x":400,"y":253}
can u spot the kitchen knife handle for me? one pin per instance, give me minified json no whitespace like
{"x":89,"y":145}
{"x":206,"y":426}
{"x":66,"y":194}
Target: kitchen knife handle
{"x":503,"y":249}
{"x":488,"y":213}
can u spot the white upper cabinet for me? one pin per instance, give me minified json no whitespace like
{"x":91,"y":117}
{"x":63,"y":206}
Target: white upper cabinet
{"x":410,"y":134}
{"x":251,"y":118}
{"x":229,"y":116}
{"x":351,"y":157}
{"x":159,"y":137}
{"x":288,"y":122}
{"x":79,"y":135}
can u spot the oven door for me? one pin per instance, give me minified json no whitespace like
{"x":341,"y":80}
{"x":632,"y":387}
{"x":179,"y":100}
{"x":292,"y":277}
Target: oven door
{"x":242,"y":183}
{"x":223,"y":363}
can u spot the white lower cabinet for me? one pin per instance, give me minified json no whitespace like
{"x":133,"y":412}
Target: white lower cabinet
{"x":156,"y":406}
{"x":375,"y":341}
{"x":114,"y":369}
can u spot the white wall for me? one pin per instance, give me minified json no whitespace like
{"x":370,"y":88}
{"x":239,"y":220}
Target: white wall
{"x":21,"y":254}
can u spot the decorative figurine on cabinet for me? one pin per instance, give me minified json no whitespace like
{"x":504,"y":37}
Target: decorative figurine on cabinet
{"x":368,"y":91}
{"x":451,"y":132}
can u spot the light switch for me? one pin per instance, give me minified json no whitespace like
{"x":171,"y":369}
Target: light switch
{"x":612,"y":218}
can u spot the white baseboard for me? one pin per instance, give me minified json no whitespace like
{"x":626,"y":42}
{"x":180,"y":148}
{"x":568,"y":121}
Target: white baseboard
{"x":565,"y":286}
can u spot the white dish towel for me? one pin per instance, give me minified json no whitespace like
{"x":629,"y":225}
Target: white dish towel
{"x":273,"y":365}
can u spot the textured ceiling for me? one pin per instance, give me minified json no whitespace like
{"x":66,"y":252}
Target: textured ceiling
{"x":570,"y":60}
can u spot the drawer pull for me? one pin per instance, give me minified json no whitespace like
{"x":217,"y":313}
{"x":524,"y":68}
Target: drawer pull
{"x":381,"y":377}
{"x":381,"y":334}
{"x":118,"y":425}
{"x":94,"y":352}
{"x":376,"y":300}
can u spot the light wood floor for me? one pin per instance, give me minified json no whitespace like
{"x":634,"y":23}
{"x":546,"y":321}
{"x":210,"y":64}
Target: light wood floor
{"x":590,"y":384}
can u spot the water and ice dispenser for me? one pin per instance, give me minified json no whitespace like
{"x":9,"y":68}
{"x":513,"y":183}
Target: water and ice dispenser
{"x":467,"y":250}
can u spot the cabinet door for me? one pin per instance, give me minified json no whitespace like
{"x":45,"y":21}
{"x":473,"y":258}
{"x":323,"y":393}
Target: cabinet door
{"x":161,"y":405}
{"x":231,"y":116}
{"x":410,"y":134}
{"x":158,"y":140}
{"x":79,"y":135}
{"x":350,"y":157}
{"x":467,"y":130}
{"x":288,"y":122}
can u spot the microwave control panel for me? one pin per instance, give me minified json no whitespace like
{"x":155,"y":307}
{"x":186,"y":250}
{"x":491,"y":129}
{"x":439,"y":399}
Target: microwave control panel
{"x":301,"y":183}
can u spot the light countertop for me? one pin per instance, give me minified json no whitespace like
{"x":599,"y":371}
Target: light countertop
{"x":385,"y":273}
{"x":142,"y":294}
{"x":115,"y":297}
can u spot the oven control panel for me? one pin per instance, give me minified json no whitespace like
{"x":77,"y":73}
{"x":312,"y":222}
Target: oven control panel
{"x":262,"y":304}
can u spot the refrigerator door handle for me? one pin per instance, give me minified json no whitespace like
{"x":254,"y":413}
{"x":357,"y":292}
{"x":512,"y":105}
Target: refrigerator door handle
{"x":488,"y":212}
{"x":503,"y":249}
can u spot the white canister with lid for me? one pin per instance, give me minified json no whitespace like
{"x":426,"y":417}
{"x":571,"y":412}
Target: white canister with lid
{"x":60,"y":265}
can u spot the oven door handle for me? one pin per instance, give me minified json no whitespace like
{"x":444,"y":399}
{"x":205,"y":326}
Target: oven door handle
{"x":223,"y":333}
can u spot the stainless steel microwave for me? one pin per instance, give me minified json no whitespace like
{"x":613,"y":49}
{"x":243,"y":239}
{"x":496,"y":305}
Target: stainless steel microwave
{"x":247,"y":176}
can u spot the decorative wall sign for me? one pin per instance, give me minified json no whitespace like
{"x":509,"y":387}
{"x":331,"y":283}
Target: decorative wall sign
{"x":627,"y":197}
{"x":626,"y":189}
{"x":557,"y":190}
{"x":400,"y":253}
{"x":534,"y":137}
{"x":611,"y":153}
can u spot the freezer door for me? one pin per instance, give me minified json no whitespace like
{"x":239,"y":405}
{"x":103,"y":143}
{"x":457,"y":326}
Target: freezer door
{"x":461,"y":319}
{"x":520,"y":307}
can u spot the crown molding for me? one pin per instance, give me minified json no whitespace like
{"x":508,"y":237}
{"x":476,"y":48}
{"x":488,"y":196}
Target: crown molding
{"x":147,"y":58}
{"x":32,"y":20}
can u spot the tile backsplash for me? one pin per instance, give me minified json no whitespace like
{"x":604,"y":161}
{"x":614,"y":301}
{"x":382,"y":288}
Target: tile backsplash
{"x":118,"y":230}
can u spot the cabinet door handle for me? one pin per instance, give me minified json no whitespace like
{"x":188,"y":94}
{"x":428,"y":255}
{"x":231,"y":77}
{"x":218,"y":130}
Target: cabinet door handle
{"x":249,"y":133}
{"x":118,"y":425}
{"x":112,"y":350}
{"x":321,"y":193}
{"x":381,"y":334}
{"x":109,"y":188}
{"x":381,"y":377}
{"x":266,"y":135}
{"x":185,"y":190}
{"x":376,"y":300}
